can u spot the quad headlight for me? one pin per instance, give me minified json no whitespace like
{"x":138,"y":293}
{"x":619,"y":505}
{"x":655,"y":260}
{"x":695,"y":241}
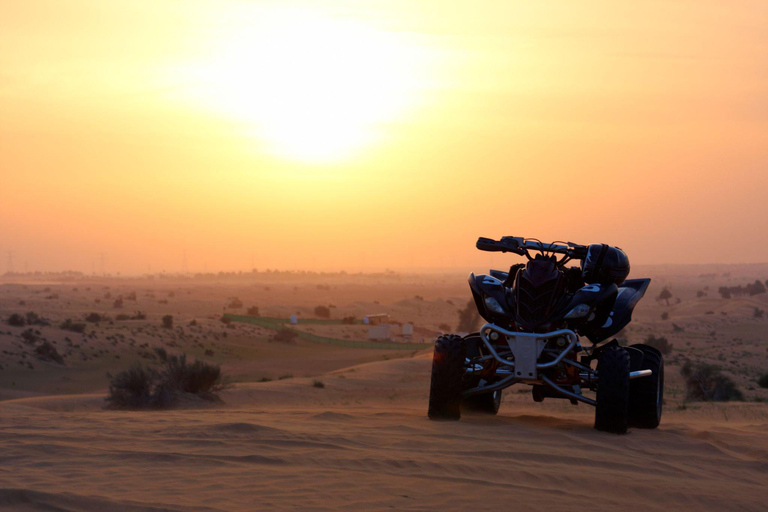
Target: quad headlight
{"x":493,"y":305}
{"x":579,"y":311}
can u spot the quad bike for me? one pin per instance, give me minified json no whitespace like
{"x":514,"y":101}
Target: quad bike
{"x":538,"y":315}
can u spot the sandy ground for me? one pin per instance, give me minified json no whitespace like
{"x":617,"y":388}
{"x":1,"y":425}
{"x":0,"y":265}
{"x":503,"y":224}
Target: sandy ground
{"x":363,"y":440}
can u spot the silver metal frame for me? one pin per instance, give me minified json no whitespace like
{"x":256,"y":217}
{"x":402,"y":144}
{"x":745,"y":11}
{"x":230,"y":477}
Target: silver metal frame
{"x":526,"y":348}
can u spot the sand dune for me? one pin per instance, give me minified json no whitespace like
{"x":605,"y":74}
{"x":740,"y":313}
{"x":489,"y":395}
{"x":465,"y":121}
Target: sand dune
{"x":364,"y":442}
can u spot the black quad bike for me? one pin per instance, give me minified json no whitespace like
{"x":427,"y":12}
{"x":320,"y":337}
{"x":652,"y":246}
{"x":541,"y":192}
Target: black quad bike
{"x":538,"y":316}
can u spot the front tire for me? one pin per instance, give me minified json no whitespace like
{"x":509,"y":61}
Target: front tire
{"x":646,"y":394}
{"x":611,"y":413}
{"x":447,"y":378}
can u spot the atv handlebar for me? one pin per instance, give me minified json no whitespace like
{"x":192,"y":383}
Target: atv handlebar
{"x":521,"y":246}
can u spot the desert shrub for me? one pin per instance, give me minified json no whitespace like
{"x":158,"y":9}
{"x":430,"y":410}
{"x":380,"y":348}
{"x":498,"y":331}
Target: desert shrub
{"x":724,"y":292}
{"x":168,"y":321}
{"x":665,"y":316}
{"x":29,"y":336}
{"x":253,"y":311}
{"x":140,"y":387}
{"x":758,"y":313}
{"x":32,"y":318}
{"x":93,"y":318}
{"x":47,"y":352}
{"x":318,"y":384}
{"x":69,"y":325}
{"x":225,"y":319}
{"x":209,"y":352}
{"x":197,"y":377}
{"x":661,"y":344}
{"x":16,"y":320}
{"x":133,"y":388}
{"x":700,"y":294}
{"x":349,"y":320}
{"x":705,"y":382}
{"x":121,"y":317}
{"x":285,"y":335}
{"x":677,"y":328}
{"x":469,"y":318}
{"x":131,"y":296}
{"x":235,"y":303}
{"x":322,"y":312}
{"x":763,"y":381}
{"x":418,"y":297}
{"x":118,"y":304}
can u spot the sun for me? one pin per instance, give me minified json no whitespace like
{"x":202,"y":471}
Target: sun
{"x":310,"y":87}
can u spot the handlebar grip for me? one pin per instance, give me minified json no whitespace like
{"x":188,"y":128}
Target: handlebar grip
{"x":487,"y":244}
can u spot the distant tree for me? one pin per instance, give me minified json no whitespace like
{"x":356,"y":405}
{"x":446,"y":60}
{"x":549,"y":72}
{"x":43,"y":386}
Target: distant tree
{"x":235,"y":303}
{"x":253,"y":311}
{"x":118,"y":304}
{"x":168,"y":321}
{"x":756,"y":288}
{"x":724,"y":292}
{"x":665,"y":295}
{"x":469,"y":318}
{"x":322,"y":312}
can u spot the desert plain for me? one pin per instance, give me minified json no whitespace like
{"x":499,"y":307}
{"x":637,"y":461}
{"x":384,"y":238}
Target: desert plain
{"x":313,"y":424}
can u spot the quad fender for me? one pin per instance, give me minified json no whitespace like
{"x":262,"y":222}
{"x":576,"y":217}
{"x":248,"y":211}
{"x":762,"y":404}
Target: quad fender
{"x":629,"y":294}
{"x":484,"y":286}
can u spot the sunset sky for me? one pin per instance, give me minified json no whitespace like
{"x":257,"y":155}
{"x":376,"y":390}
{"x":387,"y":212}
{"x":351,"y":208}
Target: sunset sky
{"x":378,"y":134}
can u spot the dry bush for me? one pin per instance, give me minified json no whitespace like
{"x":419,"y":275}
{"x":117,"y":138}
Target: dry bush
{"x":285,"y":335}
{"x":661,"y":344}
{"x":16,"y":320}
{"x":322,"y":312}
{"x":469,"y":318}
{"x":253,"y":311}
{"x":69,"y":325}
{"x":763,"y":381}
{"x":47,"y":352}
{"x":168,"y":321}
{"x":705,"y":382}
{"x":235,"y":303}
{"x":140,"y":387}
{"x":94,"y":318}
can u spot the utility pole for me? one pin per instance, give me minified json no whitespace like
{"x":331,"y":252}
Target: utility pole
{"x":9,"y":270}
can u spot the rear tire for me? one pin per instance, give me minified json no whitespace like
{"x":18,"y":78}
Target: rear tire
{"x":447,"y":378}
{"x":646,"y":394}
{"x":487,"y":403}
{"x":611,"y":413}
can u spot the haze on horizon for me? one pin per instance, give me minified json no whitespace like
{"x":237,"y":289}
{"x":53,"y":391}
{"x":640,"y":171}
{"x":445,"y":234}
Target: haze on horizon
{"x":378,"y":135}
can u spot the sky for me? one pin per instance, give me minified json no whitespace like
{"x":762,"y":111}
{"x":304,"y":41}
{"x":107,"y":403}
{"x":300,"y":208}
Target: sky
{"x":367,"y":135}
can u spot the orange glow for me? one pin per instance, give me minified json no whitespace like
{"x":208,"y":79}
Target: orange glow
{"x":358,"y":135}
